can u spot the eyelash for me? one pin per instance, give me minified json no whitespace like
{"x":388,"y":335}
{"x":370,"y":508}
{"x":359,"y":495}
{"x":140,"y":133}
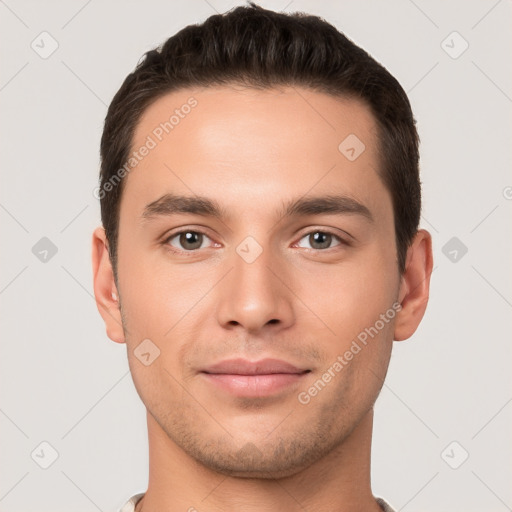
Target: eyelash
{"x":172,"y":249}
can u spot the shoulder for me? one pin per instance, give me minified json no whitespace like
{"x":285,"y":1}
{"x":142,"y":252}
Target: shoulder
{"x":129,"y":506}
{"x":386,"y":507}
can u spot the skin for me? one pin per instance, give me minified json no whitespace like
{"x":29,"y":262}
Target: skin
{"x":250,"y":151}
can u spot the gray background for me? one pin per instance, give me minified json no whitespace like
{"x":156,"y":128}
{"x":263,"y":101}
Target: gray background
{"x":65,"y":383}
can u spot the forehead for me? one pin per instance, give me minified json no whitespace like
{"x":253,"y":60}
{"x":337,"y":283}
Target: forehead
{"x":234,"y":140}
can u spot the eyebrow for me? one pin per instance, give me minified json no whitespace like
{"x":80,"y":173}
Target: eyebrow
{"x":170,"y":204}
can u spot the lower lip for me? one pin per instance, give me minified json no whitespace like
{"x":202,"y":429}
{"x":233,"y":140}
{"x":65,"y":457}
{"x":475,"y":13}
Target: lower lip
{"x":254,"y":385}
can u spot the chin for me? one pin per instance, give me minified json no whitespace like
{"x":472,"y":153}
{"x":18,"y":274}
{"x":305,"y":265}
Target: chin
{"x":279,"y":461}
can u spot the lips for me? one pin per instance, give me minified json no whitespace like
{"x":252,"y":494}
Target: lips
{"x":245,"y":367}
{"x":254,"y":379}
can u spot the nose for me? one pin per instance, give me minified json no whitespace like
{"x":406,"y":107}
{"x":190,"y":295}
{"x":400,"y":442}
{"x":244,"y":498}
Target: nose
{"x":254,"y":294}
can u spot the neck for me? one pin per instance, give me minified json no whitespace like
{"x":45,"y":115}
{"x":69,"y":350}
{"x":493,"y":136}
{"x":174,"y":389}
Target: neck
{"x":340,"y":481}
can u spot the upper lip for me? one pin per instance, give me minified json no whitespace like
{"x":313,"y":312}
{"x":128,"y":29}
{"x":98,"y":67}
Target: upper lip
{"x":246,"y":367}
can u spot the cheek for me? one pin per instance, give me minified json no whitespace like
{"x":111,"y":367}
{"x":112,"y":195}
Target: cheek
{"x":156,"y":386}
{"x":154,"y":294}
{"x":165,"y":305}
{"x":351,"y":296}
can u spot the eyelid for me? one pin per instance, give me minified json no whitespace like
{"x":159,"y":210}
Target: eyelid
{"x":342,"y":235}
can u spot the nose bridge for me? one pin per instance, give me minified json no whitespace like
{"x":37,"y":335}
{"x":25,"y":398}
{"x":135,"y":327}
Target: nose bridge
{"x":252,"y":295}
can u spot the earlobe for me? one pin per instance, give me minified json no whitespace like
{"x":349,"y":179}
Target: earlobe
{"x":105,"y":291}
{"x":415,"y":286}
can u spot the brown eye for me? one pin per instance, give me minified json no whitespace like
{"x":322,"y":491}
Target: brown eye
{"x":187,"y":240}
{"x":319,"y":240}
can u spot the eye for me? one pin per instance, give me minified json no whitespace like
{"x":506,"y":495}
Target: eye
{"x":187,"y":240}
{"x":319,"y":240}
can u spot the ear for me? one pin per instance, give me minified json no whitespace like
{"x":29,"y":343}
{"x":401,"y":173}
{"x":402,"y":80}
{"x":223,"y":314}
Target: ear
{"x":414,"y":286}
{"x":105,"y":290}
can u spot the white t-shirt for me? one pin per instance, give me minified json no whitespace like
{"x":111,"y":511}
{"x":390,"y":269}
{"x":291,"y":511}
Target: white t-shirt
{"x":129,"y":506}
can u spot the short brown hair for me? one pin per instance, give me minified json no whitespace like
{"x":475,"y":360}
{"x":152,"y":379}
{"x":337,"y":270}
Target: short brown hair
{"x":260,"y":48}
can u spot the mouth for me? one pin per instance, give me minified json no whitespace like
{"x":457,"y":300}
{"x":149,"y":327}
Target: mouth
{"x":244,"y":378}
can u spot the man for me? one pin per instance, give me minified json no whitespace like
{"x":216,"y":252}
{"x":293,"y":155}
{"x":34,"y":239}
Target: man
{"x":259,"y":254}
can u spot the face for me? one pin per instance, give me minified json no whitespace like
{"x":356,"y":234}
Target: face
{"x":248,"y":233}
